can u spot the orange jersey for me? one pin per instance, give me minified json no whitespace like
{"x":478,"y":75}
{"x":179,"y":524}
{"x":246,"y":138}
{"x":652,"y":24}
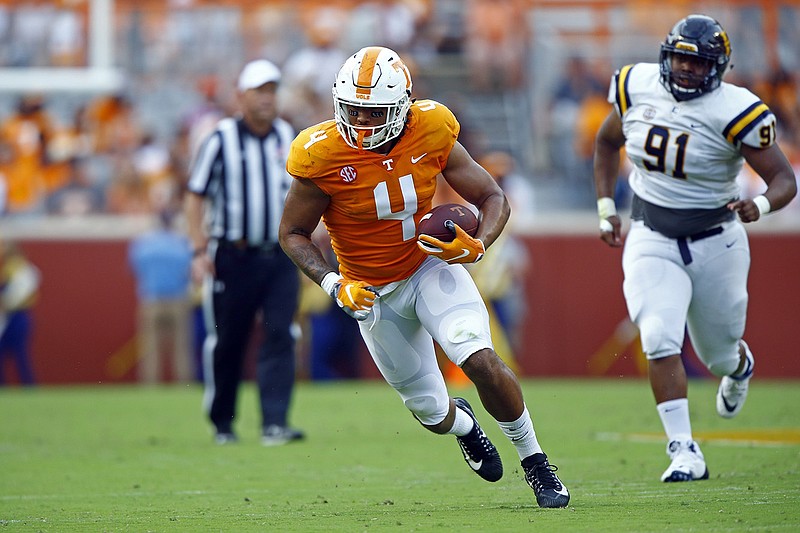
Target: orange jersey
{"x":377,"y":200}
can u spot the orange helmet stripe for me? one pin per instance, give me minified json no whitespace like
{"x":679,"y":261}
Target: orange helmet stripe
{"x":366,"y":71}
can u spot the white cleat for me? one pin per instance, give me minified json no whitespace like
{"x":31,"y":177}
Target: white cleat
{"x":688,"y":463}
{"x":732,"y":391}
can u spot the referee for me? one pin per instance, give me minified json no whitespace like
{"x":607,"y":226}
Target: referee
{"x":234,"y":204}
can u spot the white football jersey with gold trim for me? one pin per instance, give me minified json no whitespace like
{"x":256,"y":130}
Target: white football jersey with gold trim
{"x":686,"y":154}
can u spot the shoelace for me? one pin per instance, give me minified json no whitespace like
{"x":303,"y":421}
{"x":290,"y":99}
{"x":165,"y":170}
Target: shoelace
{"x":543,"y":476}
{"x":482,"y":441}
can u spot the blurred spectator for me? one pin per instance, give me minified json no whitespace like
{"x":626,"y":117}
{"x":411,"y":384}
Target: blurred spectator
{"x":201,"y":120}
{"x":153,"y":165}
{"x":579,"y":92}
{"x":113,"y":124}
{"x":308,"y":74}
{"x":75,"y":192}
{"x":518,"y":188}
{"x":128,"y":193}
{"x":23,"y":154}
{"x":496,"y":43}
{"x":577,"y":82}
{"x":392,"y":23}
{"x":77,"y":197}
{"x":151,"y":159}
{"x":19,"y":287}
{"x":591,"y":113}
{"x":161,"y":261}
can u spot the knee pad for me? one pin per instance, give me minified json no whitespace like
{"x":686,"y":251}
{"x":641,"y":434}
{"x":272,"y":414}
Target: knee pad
{"x":426,"y":397}
{"x":428,"y":410}
{"x":725,"y":367}
{"x":655,"y":340}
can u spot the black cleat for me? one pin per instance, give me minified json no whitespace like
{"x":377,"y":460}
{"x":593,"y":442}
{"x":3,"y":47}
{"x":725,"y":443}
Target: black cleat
{"x":542,"y":478}
{"x":479,"y":452}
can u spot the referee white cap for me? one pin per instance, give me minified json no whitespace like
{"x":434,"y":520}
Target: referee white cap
{"x":257,"y":73}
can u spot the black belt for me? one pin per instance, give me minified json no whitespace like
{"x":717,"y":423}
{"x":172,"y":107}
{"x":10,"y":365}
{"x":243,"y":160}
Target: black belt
{"x":243,"y":245}
{"x":699,"y":236}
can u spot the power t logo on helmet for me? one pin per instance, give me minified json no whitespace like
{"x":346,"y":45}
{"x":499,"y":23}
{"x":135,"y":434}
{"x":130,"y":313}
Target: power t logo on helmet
{"x":374,"y":83}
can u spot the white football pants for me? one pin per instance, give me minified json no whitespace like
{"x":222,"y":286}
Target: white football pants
{"x":439,"y":301}
{"x":709,"y":294}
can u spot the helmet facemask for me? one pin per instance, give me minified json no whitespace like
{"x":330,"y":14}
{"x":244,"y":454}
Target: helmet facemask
{"x":375,"y":79}
{"x":685,"y":86}
{"x":698,"y":36}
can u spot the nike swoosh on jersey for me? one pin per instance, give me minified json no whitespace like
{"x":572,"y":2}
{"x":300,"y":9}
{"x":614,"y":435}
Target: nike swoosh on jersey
{"x":415,"y":160}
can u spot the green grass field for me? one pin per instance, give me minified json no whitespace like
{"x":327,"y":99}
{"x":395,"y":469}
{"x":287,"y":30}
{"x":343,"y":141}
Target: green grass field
{"x":127,"y":458}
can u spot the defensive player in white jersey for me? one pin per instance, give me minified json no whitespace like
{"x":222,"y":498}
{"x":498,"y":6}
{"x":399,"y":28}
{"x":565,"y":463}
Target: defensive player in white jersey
{"x":371,"y":174}
{"x":686,"y":256}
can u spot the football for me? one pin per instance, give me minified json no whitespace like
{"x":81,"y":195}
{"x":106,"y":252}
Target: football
{"x":436,"y":221}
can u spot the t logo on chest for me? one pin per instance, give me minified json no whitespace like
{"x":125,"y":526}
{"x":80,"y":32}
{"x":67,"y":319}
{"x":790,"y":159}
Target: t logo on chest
{"x":388,"y":164}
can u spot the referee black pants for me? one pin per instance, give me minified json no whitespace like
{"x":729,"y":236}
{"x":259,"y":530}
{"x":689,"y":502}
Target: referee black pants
{"x":250,"y":279}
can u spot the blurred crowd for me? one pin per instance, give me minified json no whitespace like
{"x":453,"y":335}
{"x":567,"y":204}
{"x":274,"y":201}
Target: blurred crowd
{"x":100,"y":162}
{"x":129,"y":152}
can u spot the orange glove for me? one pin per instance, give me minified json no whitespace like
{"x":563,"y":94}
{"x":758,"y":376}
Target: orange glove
{"x":462,"y":249}
{"x":356,"y":298}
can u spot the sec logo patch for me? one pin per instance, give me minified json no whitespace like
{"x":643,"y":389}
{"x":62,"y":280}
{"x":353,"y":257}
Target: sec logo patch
{"x":348,"y":174}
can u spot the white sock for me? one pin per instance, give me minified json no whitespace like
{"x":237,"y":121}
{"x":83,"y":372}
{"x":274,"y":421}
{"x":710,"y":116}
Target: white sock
{"x":522,"y":435}
{"x":674,"y":416}
{"x":463,"y":423}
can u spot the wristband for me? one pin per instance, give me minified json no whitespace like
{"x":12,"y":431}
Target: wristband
{"x":606,"y":207}
{"x":762,"y":204}
{"x":327,"y":283}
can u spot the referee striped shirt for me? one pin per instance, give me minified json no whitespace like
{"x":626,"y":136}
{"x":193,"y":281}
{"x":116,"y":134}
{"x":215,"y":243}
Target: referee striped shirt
{"x":244,"y":178}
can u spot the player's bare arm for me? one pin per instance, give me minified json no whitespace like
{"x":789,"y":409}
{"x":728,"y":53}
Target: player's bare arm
{"x":610,"y":139}
{"x":304,"y":206}
{"x":477,"y":186}
{"x":773,"y":167}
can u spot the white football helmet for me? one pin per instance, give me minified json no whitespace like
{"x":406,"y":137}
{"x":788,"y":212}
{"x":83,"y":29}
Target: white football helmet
{"x":373,"y":77}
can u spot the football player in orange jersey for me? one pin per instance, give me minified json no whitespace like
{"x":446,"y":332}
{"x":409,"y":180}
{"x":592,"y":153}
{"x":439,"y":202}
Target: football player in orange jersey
{"x":370,"y":175}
